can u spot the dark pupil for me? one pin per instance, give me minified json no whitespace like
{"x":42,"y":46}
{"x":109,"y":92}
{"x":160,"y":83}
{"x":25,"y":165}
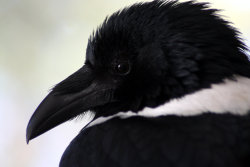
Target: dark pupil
{"x":122,"y":68}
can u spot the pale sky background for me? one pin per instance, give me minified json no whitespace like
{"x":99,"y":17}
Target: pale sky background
{"x":41,"y":43}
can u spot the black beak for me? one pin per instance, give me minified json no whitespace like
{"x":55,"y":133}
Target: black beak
{"x":61,"y":104}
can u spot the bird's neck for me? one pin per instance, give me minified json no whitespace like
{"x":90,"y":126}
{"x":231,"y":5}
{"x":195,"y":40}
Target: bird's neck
{"x":231,"y":96}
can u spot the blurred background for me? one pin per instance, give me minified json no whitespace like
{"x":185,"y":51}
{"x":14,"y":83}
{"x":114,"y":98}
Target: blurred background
{"x":41,"y":43}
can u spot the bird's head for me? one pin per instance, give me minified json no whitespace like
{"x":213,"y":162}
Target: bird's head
{"x":144,"y":56}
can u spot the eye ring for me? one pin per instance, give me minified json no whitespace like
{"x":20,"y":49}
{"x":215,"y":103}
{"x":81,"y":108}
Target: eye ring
{"x":122,"y":68}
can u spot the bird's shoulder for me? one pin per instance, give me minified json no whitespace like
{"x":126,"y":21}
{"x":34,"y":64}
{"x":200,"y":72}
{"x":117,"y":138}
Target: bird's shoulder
{"x":204,"y":140}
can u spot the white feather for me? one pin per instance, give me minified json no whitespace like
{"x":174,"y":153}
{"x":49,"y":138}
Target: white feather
{"x":230,"y":96}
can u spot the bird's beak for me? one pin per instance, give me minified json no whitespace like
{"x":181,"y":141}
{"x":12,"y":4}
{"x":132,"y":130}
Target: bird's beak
{"x":58,"y":107}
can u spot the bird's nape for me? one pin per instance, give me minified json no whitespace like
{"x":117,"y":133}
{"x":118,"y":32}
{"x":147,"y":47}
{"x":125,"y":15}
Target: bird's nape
{"x":168,"y":83}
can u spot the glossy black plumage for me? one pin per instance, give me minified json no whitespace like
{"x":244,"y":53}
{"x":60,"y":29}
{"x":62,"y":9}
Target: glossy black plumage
{"x":207,"y":140}
{"x":145,"y":56}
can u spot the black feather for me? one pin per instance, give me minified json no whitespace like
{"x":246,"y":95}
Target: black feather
{"x":144,"y":56}
{"x":206,"y":140}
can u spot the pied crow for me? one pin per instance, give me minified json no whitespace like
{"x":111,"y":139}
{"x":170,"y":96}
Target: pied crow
{"x":165,"y":83}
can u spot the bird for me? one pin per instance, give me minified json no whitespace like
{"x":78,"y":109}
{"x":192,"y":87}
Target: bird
{"x":164,"y":83}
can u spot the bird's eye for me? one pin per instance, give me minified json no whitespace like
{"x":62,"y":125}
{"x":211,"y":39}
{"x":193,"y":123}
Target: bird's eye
{"x":122,"y":68}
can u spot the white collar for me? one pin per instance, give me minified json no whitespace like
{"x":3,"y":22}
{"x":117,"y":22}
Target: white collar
{"x":230,"y":96}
